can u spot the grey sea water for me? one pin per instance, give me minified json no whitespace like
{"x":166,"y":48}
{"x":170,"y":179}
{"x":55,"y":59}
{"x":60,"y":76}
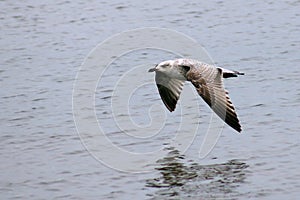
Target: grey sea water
{"x":42,"y":45}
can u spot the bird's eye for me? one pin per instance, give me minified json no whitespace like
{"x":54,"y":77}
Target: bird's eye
{"x":164,"y":66}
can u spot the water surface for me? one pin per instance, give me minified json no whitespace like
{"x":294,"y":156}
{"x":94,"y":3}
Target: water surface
{"x":42,"y":47}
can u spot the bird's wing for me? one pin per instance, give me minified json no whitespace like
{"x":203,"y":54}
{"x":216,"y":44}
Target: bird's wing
{"x":169,"y":89}
{"x":209,"y":85}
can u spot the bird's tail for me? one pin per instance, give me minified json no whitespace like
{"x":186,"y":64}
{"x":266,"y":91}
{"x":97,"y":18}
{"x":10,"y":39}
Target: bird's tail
{"x":230,"y":73}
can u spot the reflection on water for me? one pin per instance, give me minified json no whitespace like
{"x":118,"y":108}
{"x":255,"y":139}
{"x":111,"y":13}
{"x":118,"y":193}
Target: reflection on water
{"x":180,"y":180}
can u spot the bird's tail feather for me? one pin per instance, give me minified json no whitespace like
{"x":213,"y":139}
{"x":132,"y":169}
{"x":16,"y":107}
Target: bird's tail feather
{"x":230,"y":73}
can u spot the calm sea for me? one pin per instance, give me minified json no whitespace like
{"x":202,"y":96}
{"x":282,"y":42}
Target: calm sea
{"x":42,"y":45}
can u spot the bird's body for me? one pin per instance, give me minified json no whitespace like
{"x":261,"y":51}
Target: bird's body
{"x":208,"y":81}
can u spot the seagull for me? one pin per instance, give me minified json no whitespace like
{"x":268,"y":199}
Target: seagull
{"x":170,"y":76}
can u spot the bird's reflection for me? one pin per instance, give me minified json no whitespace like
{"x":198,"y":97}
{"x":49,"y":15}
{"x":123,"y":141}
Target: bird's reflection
{"x":179,"y":178}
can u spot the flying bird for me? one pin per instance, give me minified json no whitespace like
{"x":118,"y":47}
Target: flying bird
{"x":170,"y":76}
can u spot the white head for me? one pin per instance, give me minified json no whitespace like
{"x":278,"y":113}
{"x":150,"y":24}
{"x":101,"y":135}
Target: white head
{"x":169,"y":68}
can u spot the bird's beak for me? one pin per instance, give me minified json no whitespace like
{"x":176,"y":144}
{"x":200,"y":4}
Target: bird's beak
{"x":152,"y":69}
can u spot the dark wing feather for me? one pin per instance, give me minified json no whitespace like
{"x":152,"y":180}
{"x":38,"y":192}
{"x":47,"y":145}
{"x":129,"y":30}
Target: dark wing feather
{"x":169,"y":90}
{"x":209,"y":85}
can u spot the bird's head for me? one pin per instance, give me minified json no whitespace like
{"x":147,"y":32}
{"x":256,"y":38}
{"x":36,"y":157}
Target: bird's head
{"x":169,"y":68}
{"x":163,"y":67}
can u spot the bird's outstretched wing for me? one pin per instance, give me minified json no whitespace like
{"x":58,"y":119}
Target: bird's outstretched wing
{"x":209,"y":85}
{"x":169,"y":89}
